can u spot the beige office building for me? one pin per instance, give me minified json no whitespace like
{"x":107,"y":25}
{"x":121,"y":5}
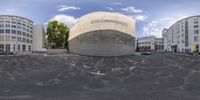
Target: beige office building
{"x":103,"y":34}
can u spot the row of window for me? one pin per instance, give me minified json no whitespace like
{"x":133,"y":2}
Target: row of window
{"x":14,"y":38}
{"x":15,"y":20}
{"x":18,"y":27}
{"x":15,"y":32}
{"x":7,"y":47}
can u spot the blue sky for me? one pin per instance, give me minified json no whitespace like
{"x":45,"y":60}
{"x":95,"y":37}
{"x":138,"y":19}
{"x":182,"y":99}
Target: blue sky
{"x":151,"y":15}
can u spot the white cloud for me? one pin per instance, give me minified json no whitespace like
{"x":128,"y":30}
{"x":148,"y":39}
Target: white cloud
{"x":139,"y":17}
{"x":65,"y":8}
{"x":155,"y":27}
{"x":66,"y":19}
{"x":117,"y":3}
{"x":132,"y":10}
{"x":8,"y":11}
{"x":109,"y":8}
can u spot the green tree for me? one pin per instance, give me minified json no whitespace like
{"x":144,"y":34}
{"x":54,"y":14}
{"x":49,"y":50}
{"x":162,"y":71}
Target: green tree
{"x":57,"y":34}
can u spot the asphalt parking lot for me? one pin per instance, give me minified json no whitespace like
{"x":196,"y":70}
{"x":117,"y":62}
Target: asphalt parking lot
{"x":160,"y":76}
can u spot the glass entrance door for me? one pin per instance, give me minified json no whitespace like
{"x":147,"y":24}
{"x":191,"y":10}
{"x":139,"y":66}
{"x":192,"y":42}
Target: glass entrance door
{"x":7,"y":47}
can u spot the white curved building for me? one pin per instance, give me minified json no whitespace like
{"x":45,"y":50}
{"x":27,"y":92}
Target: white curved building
{"x":15,"y":34}
{"x":183,"y":36}
{"x":103,"y":34}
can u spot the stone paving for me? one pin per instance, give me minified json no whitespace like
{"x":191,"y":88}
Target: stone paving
{"x":160,"y":76}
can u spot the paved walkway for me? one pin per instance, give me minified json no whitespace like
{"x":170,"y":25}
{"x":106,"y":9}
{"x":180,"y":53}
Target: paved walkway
{"x":160,"y":76}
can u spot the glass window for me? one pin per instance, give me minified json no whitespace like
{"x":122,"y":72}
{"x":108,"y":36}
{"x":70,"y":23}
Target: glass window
{"x":18,"y":47}
{"x":19,"y":32}
{"x":19,"y":23}
{"x":7,"y":21}
{"x":13,"y":31}
{"x":7,"y":47}
{"x":29,"y":48}
{"x":7,"y":25}
{"x":24,"y":34}
{"x":196,"y":26}
{"x":7,"y":31}
{"x":1,"y":25}
{"x":13,"y":26}
{"x":7,"y":38}
{"x":196,"y":22}
{"x":1,"y":30}
{"x":23,"y":40}
{"x":19,"y":39}
{"x":14,"y":22}
{"x":196,"y":31}
{"x":23,"y":47}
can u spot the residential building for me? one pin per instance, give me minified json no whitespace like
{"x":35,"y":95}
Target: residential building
{"x":150,"y":44}
{"x":183,"y":36}
{"x":16,"y":34}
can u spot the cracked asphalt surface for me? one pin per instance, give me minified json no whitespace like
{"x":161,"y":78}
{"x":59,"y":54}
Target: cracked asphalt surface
{"x":160,"y":76}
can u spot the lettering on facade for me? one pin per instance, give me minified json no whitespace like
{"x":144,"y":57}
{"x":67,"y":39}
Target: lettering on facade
{"x":108,"y":21}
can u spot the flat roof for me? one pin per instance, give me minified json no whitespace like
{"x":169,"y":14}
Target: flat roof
{"x":17,"y":16}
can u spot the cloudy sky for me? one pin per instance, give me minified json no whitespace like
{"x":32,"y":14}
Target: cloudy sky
{"x":151,"y":15}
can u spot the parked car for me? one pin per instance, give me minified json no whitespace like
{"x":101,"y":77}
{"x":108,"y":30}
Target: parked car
{"x":146,"y":53}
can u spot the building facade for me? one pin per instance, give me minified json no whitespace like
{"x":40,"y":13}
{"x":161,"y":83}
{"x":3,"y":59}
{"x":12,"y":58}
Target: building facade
{"x":183,"y":36}
{"x":150,"y":44}
{"x":103,"y":34}
{"x":16,"y":34}
{"x":39,"y":43}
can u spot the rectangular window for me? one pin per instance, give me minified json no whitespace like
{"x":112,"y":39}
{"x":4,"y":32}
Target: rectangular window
{"x":19,"y":27}
{"x":7,"y":31}
{"x":7,"y":38}
{"x":196,"y":22}
{"x":7,"y":47}
{"x":7,"y":25}
{"x":23,"y":40}
{"x":13,"y":31}
{"x":14,"y":22}
{"x":2,"y":31}
{"x":7,"y":21}
{"x":27,"y":40}
{"x":19,"y":39}
{"x":19,"y":32}
{"x":24,"y":34}
{"x":18,"y":47}
{"x":14,"y":47}
{"x":24,"y":24}
{"x":1,"y":25}
{"x":196,"y":26}
{"x":196,"y":31}
{"x":29,"y":48}
{"x":23,"y":47}
{"x":13,"y":26}
{"x":19,"y":23}
{"x":186,"y":34}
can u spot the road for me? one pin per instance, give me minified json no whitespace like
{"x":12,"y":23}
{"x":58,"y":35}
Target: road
{"x":160,"y":76}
